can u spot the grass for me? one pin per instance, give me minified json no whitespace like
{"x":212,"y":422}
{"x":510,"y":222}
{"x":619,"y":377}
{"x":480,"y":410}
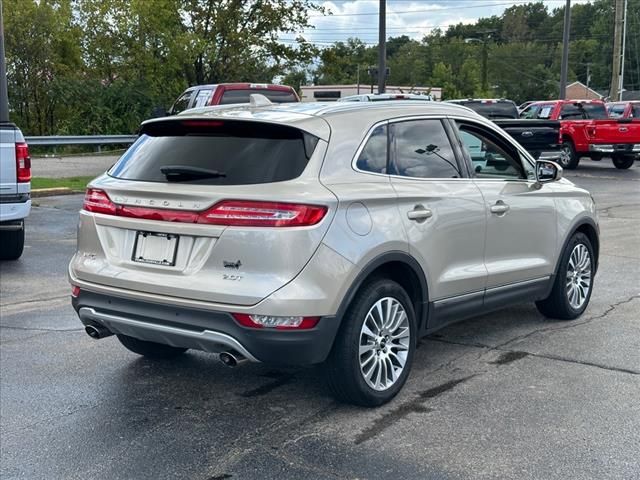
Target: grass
{"x":74,"y":183}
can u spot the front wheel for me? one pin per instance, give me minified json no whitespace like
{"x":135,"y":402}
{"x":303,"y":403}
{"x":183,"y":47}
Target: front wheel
{"x":573,"y":284}
{"x":569,"y":158}
{"x":149,"y":349}
{"x":373,"y":352}
{"x":623,"y":162}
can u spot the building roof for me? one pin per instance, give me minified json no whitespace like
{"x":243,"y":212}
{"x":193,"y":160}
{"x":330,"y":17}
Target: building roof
{"x":582,"y":85}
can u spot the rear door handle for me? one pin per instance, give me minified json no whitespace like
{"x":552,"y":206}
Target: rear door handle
{"x":499,"y":208}
{"x":419,"y":213}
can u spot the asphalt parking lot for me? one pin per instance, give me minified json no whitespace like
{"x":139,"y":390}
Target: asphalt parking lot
{"x":508,"y":395}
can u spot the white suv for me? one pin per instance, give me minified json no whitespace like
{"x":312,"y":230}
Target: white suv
{"x":337,"y":233}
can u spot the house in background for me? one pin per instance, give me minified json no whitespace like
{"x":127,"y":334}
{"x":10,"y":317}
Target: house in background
{"x":579,"y":91}
{"x":332,"y":93}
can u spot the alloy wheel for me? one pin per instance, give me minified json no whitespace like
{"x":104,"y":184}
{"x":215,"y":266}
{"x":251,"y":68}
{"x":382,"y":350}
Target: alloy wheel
{"x":384,"y":343}
{"x":578,"y":276}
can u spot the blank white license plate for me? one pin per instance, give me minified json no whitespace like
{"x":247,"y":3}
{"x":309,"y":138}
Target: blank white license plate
{"x":155,"y":248}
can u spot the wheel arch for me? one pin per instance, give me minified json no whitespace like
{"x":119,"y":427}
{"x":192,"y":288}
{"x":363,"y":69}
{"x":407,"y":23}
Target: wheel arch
{"x":588,"y":227}
{"x":401,"y":268}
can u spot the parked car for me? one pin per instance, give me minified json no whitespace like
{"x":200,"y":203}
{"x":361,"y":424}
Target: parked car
{"x":541,"y":138}
{"x":630,"y":109}
{"x":229,"y":93}
{"x":15,"y":190}
{"x":588,"y":131}
{"x":374,"y":97}
{"x":299,"y":234}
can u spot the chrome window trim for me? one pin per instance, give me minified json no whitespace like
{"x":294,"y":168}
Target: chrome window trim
{"x":507,"y":138}
{"x":388,"y":122}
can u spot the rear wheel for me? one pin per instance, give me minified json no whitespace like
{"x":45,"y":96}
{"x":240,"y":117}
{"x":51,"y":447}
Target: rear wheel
{"x":373,"y":352}
{"x":573,"y":284}
{"x":150,"y":349}
{"x":568,"y":159}
{"x":623,"y":162}
{"x":12,"y":242}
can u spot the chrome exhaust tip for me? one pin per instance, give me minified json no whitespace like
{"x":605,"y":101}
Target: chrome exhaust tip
{"x":231,"y":359}
{"x":97,"y":332}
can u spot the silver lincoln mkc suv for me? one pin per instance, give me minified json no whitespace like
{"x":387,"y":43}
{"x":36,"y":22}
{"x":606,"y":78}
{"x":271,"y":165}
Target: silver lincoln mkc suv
{"x":325,"y":233}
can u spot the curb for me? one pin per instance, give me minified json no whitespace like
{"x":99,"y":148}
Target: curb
{"x":48,"y":192}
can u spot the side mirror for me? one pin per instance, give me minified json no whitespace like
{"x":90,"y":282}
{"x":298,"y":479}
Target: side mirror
{"x":547,"y":171}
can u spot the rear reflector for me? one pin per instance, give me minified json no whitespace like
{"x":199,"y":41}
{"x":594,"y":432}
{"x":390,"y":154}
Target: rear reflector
{"x":23,"y":163}
{"x":231,"y":213}
{"x":279,"y":323}
{"x":75,"y":291}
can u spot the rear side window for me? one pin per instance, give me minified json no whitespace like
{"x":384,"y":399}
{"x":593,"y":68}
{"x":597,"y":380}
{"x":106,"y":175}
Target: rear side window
{"x":635,"y":110}
{"x":203,"y":97}
{"x":421,"y":149}
{"x":596,"y":111}
{"x":373,"y":157}
{"x":216,"y":153}
{"x":571,"y":112}
{"x":242,"y":96}
{"x":616,"y":111}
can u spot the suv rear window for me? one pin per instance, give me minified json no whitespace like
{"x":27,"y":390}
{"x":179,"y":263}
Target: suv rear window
{"x":216,"y":153}
{"x":242,"y":96}
{"x":499,"y":109}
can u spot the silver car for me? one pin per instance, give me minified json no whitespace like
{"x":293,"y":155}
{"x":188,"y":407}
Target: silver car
{"x":335,"y":233}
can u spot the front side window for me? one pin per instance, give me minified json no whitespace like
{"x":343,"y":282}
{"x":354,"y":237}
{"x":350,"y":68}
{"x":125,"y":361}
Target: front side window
{"x":635,"y":110}
{"x":373,"y":157}
{"x":182,"y":103}
{"x":530,"y":112}
{"x":421,"y":149}
{"x":490,"y":157}
{"x":545,"y":112}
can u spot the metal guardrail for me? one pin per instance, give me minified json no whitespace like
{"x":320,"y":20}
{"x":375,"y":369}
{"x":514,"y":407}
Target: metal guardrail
{"x":55,"y":140}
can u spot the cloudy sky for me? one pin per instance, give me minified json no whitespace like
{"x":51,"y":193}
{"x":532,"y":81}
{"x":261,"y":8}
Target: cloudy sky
{"x":415,"y":18}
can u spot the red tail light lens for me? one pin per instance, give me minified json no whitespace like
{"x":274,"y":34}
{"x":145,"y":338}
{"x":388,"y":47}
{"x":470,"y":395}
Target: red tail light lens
{"x":279,"y":323}
{"x":262,"y":214}
{"x":98,"y":201}
{"x":23,"y":163}
{"x":227,"y":212}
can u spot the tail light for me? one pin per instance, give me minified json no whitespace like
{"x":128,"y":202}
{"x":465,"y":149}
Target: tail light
{"x":262,"y":214}
{"x":231,"y":213}
{"x":98,"y":201}
{"x":23,"y":163}
{"x":279,"y":323}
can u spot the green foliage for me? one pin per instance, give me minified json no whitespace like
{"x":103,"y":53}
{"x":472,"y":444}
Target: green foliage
{"x":523,"y":48}
{"x":102,"y":66}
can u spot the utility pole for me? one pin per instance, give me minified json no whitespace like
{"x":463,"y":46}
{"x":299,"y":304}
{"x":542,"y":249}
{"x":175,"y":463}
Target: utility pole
{"x":617,"y":37}
{"x":624,"y":44}
{"x":564,"y":66}
{"x":4,"y":95}
{"x":485,"y":57}
{"x":382,"y":46}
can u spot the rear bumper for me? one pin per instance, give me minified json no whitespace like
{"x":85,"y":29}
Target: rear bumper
{"x":623,"y":148}
{"x":14,"y":208}
{"x":206,"y":330}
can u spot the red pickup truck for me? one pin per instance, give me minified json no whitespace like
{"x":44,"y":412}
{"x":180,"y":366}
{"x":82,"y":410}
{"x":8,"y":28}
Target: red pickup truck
{"x":629,"y":109}
{"x":588,"y":131}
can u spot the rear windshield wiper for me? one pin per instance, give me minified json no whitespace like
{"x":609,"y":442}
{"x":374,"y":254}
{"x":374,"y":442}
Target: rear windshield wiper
{"x":177,"y":173}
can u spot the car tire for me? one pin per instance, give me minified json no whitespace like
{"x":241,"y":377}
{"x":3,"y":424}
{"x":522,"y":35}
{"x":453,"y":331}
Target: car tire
{"x":573,"y":284}
{"x":623,"y":162}
{"x":150,"y":349}
{"x":373,"y":351}
{"x":12,"y":242}
{"x":568,"y":159}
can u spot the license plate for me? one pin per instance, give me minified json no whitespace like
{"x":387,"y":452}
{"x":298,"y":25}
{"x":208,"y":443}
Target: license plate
{"x":155,"y":248}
